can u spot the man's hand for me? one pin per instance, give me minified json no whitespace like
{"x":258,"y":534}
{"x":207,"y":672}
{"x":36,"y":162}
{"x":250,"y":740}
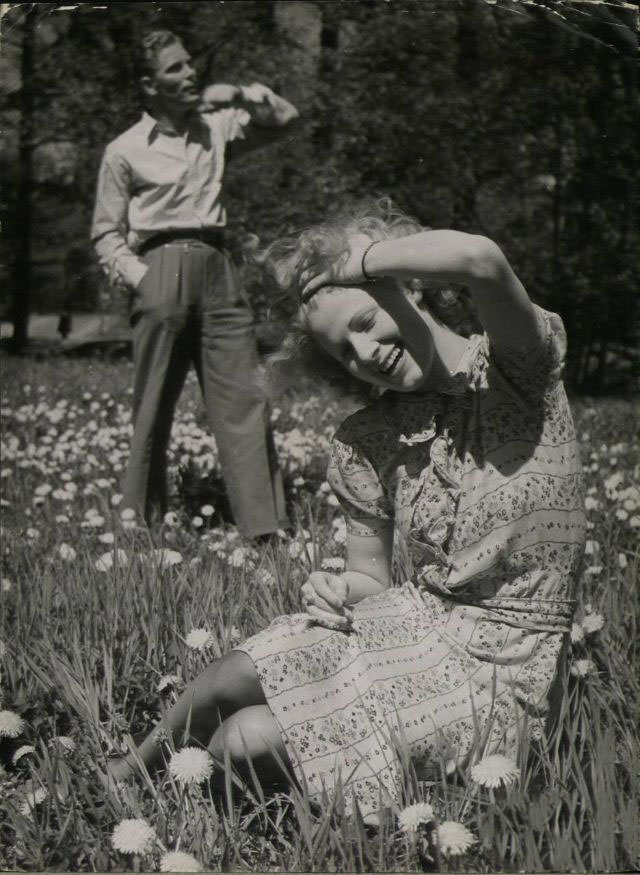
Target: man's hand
{"x":324,"y":597}
{"x":219,"y":96}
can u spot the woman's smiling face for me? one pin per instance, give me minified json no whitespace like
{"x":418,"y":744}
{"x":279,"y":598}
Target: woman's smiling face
{"x":376,"y":333}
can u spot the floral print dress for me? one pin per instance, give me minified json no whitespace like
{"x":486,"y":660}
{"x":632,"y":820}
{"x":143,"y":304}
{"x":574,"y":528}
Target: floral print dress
{"x":483,"y":483}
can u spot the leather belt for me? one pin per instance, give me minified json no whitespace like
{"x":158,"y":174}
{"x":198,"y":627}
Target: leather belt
{"x":211,"y":236}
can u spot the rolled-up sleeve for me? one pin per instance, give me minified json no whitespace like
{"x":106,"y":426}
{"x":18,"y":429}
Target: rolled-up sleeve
{"x":110,"y":222}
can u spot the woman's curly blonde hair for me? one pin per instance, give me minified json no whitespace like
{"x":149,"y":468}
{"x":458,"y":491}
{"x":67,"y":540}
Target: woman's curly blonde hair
{"x":321,"y":245}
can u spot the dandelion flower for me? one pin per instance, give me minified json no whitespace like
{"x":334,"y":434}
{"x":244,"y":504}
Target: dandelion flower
{"x":6,"y":584}
{"x":108,"y":560}
{"x":593,"y":570}
{"x":65,"y":743}
{"x":106,"y":538}
{"x":178,"y":861}
{"x":412,"y":816}
{"x":238,"y":558}
{"x":11,"y":724}
{"x":582,"y":667}
{"x":265,"y":578}
{"x":197,"y":522}
{"x":199,"y":639}
{"x":591,"y":548}
{"x":454,"y":838}
{"x":622,"y":561}
{"x":168,"y":680}
{"x":133,"y":836}
{"x":171,"y":518}
{"x":191,"y":765}
{"x":127,"y":513}
{"x":333,"y":563}
{"x":577,"y":633}
{"x":295,"y":549}
{"x":166,"y":557}
{"x":592,"y":623}
{"x":207,"y":510}
{"x":33,"y":798}
{"x":494,"y":771}
{"x":22,"y":751}
{"x":66,"y":552}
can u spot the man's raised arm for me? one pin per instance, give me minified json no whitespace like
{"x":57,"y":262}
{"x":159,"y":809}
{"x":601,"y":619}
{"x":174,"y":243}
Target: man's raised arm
{"x":268,"y":118}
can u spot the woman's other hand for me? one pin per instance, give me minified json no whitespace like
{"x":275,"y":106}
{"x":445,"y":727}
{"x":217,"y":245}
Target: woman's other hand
{"x":324,"y":597}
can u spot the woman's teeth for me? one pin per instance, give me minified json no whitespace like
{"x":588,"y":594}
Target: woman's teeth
{"x":391,"y":360}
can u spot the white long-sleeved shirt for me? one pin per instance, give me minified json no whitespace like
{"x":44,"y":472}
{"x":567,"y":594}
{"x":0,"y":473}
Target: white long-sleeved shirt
{"x":151,"y":182}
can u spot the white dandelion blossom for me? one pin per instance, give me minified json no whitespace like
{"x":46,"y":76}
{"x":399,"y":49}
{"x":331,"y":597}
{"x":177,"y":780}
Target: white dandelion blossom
{"x":412,"y":816}
{"x":238,"y":558}
{"x":178,"y":861}
{"x":22,"y":751}
{"x":333,"y":563}
{"x":33,"y":798}
{"x":168,"y":680}
{"x":592,"y":623}
{"x":64,"y":743}
{"x":109,"y":560}
{"x":66,"y":552}
{"x":495,"y":770}
{"x":133,"y":836}
{"x":11,"y":724}
{"x":199,"y":639}
{"x":165,"y":557}
{"x":577,"y":633}
{"x":191,"y":765}
{"x":582,"y":667}
{"x":454,"y":838}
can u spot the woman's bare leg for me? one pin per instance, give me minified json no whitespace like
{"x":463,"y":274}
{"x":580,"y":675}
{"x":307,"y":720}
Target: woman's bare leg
{"x":253,"y":734}
{"x":226,"y":686}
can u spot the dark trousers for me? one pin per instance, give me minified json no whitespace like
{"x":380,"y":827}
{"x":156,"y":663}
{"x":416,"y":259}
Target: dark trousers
{"x":191,"y":308}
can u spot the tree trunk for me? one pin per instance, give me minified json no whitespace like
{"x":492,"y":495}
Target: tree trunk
{"x":22,"y":236}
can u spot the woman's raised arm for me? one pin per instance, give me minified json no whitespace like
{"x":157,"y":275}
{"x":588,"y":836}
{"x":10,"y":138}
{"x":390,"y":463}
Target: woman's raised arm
{"x":503,"y":306}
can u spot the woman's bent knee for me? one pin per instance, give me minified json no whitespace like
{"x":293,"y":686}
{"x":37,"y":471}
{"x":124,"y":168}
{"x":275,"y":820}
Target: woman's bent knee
{"x":253,"y":734}
{"x":236,"y":683}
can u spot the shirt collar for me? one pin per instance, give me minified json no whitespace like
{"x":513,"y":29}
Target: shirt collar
{"x":149,"y":126}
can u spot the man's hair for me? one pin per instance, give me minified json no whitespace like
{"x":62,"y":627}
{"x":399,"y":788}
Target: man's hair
{"x":150,"y":45}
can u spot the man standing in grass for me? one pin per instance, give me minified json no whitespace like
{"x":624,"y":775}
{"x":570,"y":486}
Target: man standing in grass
{"x":159,"y":228}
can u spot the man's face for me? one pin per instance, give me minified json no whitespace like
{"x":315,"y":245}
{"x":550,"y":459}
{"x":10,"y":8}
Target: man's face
{"x":174,"y":83}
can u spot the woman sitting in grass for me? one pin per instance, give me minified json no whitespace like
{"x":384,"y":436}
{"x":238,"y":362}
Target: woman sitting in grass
{"x":468,"y":457}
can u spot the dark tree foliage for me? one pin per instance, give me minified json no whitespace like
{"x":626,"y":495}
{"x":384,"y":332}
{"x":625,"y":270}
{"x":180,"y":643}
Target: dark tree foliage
{"x":513,"y":119}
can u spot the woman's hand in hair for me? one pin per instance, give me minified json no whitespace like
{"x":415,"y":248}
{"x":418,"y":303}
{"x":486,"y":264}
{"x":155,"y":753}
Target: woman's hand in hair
{"x":345,"y":270}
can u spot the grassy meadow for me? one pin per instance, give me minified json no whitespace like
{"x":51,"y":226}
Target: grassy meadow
{"x":104,"y":621}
